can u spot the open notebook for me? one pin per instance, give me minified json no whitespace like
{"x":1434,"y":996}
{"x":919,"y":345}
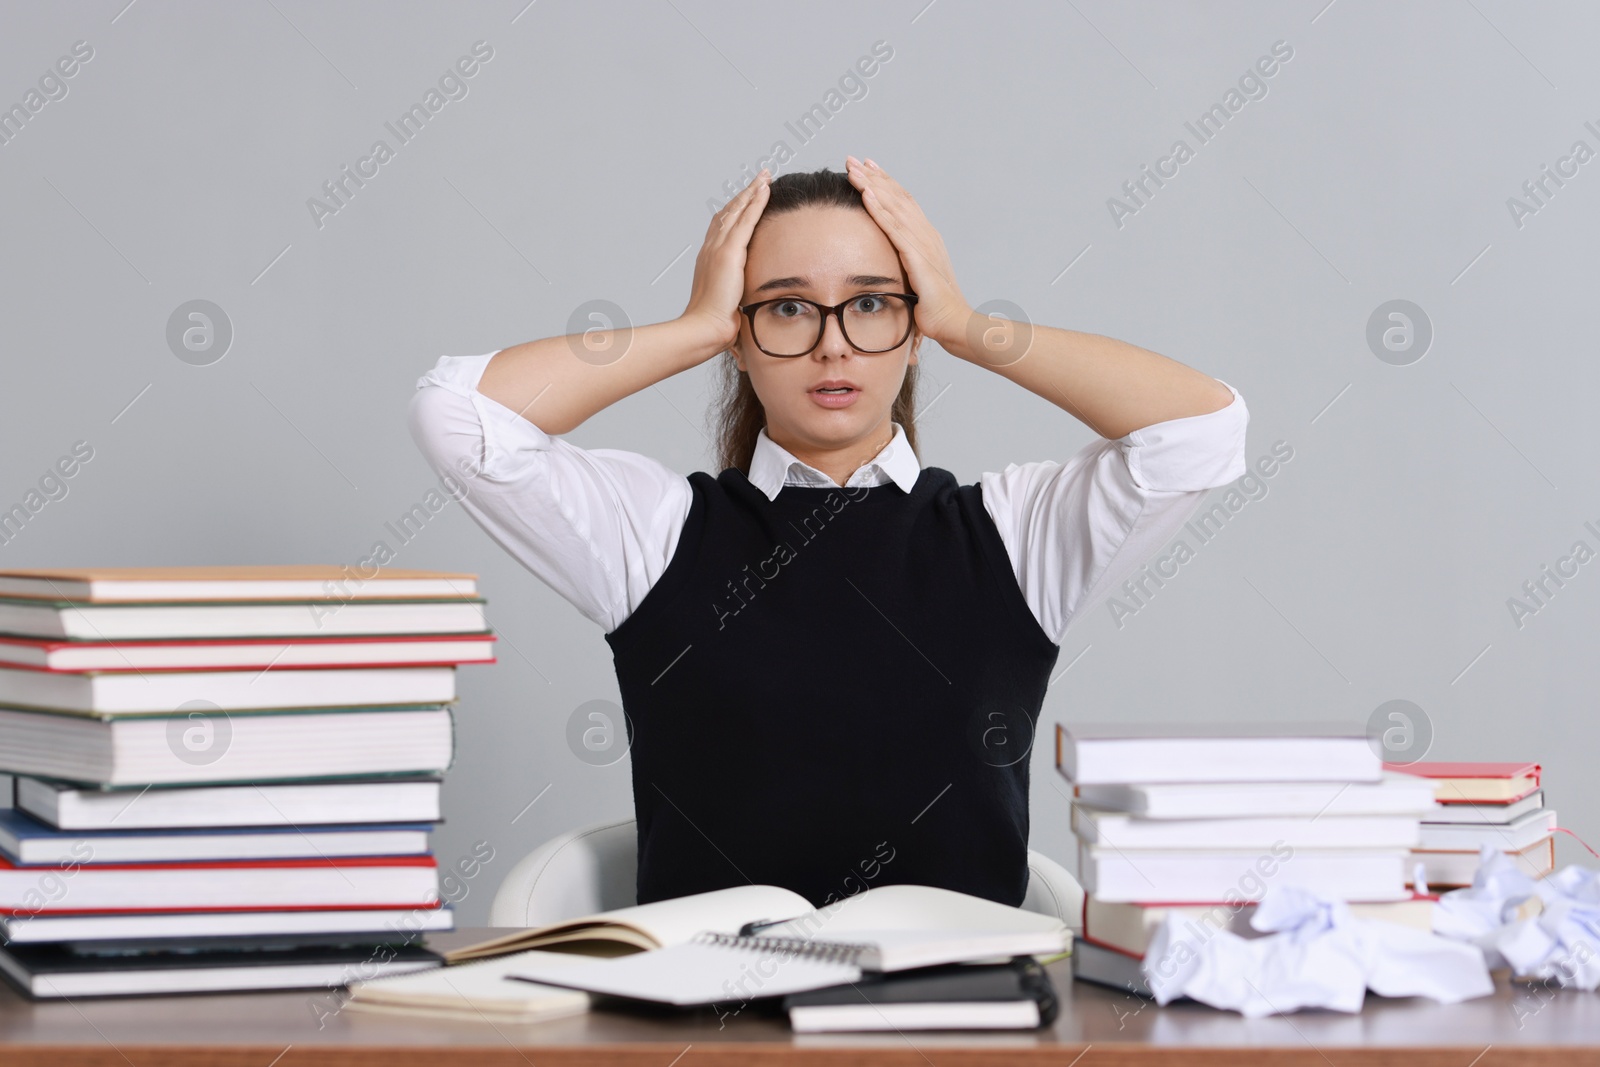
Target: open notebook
{"x":647,"y":926}
{"x":702,"y":961}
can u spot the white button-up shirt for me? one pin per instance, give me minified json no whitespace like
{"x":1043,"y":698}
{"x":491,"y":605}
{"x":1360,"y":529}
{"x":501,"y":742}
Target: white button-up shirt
{"x":600,"y":525}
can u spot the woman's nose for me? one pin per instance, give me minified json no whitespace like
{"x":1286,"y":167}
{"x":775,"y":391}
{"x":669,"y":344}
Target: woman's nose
{"x":834,"y":342}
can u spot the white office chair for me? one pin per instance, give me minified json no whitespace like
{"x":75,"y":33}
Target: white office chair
{"x":594,"y":868}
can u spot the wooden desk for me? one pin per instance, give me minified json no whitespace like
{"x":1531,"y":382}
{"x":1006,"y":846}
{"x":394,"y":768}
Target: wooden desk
{"x":1097,"y":1026}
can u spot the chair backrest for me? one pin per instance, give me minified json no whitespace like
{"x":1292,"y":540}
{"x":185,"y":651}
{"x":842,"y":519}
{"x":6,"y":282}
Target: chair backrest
{"x":595,"y":868}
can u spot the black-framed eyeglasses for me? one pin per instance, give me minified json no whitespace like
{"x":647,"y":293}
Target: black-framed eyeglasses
{"x":789,"y":326}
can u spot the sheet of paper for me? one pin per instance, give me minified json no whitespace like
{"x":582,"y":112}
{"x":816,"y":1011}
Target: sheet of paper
{"x":1546,"y":929}
{"x":1314,"y":954}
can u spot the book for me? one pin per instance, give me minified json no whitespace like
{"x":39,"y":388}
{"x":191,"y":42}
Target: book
{"x":1393,"y":794}
{"x":1521,"y":833}
{"x":141,"y":929}
{"x":1476,"y":783}
{"x":69,"y":806}
{"x":305,"y":618}
{"x":253,"y":746}
{"x":889,"y":928}
{"x":394,"y":650}
{"x":159,"y":692}
{"x":49,"y":971}
{"x":354,"y":882}
{"x":1485,"y":814}
{"x":784,"y":913}
{"x":1122,"y":753}
{"x":1120,"y":830}
{"x":1174,"y":876}
{"x":477,"y":991}
{"x":1442,"y":868}
{"x":1129,"y":927}
{"x":1109,"y":967}
{"x":27,"y":842}
{"x":1016,"y":995}
{"x":253,"y":582}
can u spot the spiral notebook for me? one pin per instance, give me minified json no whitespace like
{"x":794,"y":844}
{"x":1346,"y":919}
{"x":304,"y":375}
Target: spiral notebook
{"x":717,"y":967}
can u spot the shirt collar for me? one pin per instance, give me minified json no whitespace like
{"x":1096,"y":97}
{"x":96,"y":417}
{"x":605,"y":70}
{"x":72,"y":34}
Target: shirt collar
{"x":772,"y":466}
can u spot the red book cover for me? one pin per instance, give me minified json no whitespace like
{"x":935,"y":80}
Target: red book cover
{"x":1486,"y":771}
{"x":423,"y":860}
{"x":48,"y":643}
{"x":1443,"y":769}
{"x":218,"y":910}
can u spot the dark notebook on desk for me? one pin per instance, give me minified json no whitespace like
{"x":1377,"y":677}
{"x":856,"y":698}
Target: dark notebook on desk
{"x":1005,"y":996}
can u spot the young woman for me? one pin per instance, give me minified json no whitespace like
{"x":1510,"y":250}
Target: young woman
{"x":832,"y":658}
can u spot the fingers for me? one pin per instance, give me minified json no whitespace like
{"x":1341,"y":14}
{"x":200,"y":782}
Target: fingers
{"x":750,"y":211}
{"x":883,"y":202}
{"x":856,"y":171}
{"x":734,"y":209}
{"x":743,"y":196}
{"x":719,"y":267}
{"x":869,"y":177}
{"x":898,"y":214}
{"x":890,"y":205}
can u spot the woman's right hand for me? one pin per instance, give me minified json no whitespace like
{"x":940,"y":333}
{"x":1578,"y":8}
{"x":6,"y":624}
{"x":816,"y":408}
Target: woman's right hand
{"x":718,"y":286}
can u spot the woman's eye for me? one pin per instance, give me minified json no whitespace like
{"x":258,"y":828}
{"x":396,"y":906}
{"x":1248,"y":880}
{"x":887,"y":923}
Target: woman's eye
{"x":868,"y":304}
{"x":789,"y":309}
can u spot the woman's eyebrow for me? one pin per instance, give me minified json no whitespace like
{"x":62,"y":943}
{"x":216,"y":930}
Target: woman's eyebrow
{"x":855,"y":281}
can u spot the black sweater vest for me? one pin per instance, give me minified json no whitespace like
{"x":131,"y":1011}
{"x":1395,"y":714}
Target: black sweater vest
{"x":831,"y":691}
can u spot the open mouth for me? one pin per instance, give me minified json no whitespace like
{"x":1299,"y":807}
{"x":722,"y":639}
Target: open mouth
{"x":834,"y":396}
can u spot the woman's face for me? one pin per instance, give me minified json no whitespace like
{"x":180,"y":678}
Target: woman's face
{"x":826,"y":254}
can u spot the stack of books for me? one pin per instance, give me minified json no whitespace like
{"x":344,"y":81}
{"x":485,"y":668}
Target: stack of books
{"x":224,"y":777}
{"x":1201,"y":818}
{"x":1496,"y":804}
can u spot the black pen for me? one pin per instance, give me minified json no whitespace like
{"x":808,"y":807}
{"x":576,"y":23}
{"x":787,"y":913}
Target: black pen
{"x":761,"y":924}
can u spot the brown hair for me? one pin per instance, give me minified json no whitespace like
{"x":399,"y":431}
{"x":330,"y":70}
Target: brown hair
{"x":739,"y":414}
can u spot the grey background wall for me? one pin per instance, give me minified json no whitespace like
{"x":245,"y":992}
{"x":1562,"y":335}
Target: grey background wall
{"x":1377,"y":163}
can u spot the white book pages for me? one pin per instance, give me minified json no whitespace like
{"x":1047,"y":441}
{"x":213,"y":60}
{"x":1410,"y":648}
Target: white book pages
{"x":653,"y":925}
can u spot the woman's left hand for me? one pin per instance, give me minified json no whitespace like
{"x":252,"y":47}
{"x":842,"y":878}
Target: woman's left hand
{"x":942,"y":312}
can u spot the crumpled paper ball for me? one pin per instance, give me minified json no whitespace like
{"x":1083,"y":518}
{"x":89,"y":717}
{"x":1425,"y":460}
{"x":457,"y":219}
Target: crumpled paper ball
{"x":1546,"y":928}
{"x":1313,"y":953}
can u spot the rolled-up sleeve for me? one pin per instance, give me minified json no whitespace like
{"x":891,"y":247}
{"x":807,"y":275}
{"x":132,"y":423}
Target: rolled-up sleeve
{"x":597,"y":525}
{"x":1076,"y":530}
